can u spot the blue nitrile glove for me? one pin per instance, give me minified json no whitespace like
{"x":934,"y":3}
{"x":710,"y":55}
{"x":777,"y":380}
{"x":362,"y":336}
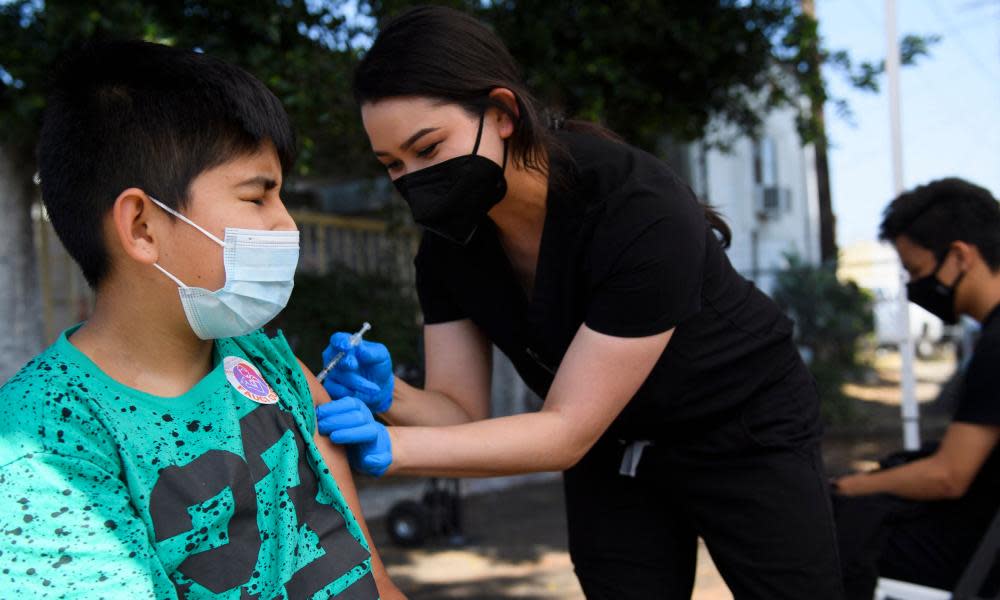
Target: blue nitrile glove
{"x":349,"y":422}
{"x":365,"y":372}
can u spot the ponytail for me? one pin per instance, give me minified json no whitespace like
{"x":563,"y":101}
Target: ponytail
{"x":719,"y":225}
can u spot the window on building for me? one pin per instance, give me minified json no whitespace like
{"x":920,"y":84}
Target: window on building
{"x":765,"y":162}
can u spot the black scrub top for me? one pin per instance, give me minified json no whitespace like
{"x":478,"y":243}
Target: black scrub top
{"x":626,"y":249}
{"x":979,"y":404}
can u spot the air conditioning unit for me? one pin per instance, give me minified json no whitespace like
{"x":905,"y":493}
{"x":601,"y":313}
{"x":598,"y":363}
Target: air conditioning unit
{"x":772,"y":201}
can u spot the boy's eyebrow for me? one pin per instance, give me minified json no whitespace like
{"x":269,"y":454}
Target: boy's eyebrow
{"x":410,"y":140}
{"x":259,"y":181}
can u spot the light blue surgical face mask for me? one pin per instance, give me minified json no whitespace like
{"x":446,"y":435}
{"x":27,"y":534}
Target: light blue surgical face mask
{"x":260,"y":272}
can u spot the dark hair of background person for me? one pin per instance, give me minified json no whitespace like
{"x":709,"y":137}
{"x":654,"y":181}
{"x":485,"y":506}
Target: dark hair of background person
{"x":136,"y":114}
{"x":441,"y":53}
{"x":944,"y":211}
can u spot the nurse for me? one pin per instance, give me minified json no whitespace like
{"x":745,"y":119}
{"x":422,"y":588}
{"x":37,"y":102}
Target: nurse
{"x":675,"y":401}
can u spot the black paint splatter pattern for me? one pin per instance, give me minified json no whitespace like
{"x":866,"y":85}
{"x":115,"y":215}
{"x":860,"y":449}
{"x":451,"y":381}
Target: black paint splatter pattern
{"x":107,"y":490}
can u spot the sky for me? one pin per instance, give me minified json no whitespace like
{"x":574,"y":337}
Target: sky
{"x":950,"y":104}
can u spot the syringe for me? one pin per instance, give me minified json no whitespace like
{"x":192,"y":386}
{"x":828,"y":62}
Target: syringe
{"x":355,"y":340}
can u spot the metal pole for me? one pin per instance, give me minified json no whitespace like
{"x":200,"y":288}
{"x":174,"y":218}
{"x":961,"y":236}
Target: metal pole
{"x":45,"y":275}
{"x":908,"y":407}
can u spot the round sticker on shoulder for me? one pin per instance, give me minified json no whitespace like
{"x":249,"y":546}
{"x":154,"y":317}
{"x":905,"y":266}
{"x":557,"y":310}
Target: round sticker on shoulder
{"x":247,"y":380}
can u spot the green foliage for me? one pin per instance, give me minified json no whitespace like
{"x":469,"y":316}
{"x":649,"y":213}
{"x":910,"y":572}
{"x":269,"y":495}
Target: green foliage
{"x":299,"y":48}
{"x":831,"y":318}
{"x":341,"y":301}
{"x":646,"y":68}
{"x":643,"y":67}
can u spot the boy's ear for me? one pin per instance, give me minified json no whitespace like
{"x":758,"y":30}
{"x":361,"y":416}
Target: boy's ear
{"x":966,"y":253}
{"x":133,"y":225}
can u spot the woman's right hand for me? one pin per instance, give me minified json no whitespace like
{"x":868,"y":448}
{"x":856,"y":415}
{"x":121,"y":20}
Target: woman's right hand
{"x":364,"y":373}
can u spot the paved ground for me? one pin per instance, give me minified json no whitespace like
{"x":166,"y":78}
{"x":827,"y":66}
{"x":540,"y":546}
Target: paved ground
{"x":518,"y":547}
{"x":518,"y":550}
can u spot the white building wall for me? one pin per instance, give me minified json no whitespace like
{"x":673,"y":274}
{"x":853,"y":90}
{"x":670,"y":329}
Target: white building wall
{"x":727,"y":181}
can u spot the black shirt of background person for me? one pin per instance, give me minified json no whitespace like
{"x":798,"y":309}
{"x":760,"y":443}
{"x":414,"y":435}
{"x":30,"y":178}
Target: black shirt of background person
{"x":979,"y":404}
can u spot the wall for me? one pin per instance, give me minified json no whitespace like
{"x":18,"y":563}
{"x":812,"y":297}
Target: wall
{"x":727,"y":180}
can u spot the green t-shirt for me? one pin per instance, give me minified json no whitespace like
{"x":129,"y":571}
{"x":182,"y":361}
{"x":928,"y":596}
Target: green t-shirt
{"x":219,"y":493}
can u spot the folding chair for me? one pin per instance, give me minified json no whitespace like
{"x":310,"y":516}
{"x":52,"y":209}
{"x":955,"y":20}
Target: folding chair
{"x":972,"y":585}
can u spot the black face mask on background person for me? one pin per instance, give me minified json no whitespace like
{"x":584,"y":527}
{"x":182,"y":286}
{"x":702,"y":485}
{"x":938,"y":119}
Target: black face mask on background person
{"x":935,"y":297}
{"x":452,"y":198}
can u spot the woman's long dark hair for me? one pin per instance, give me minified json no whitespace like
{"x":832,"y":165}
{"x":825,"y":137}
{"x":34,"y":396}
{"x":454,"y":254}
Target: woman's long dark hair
{"x":438,"y":52}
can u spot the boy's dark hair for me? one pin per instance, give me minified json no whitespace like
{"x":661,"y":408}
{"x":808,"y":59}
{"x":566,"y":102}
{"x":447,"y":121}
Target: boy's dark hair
{"x":137,"y":114}
{"x":943,"y":211}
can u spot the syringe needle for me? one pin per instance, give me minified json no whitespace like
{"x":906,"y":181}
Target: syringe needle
{"x":354,"y":341}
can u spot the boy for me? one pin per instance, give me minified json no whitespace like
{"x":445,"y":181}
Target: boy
{"x":166,"y":447}
{"x":921,"y":521}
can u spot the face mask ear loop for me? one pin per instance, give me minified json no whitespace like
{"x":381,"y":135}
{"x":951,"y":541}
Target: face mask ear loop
{"x":168,"y":274}
{"x":479,"y":134}
{"x":958,"y":279}
{"x":192,"y":223}
{"x":503,"y":167}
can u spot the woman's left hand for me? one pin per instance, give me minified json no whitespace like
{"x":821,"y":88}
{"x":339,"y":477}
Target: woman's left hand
{"x":349,"y":422}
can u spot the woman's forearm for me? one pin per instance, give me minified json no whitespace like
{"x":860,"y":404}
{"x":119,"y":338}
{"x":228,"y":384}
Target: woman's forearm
{"x":414,"y":406}
{"x":597,"y":377}
{"x":525,"y":443}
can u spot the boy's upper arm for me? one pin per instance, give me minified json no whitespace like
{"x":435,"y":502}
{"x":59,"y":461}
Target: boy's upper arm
{"x":334,"y":455}
{"x":68,"y":527}
{"x":336,"y":460}
{"x":316,"y":390}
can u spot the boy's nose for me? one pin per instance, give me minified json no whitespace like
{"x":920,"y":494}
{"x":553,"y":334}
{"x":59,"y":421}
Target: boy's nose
{"x":284,"y":221}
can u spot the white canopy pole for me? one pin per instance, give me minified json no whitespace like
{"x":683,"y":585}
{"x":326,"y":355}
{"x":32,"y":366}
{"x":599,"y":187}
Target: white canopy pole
{"x":909,"y":409}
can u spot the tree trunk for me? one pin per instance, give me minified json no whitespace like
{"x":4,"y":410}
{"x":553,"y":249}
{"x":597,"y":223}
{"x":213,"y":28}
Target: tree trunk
{"x":20,"y":299}
{"x":827,"y":220}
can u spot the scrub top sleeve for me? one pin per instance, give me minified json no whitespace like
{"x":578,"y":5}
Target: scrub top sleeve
{"x":654,"y":283}
{"x":978,"y":403}
{"x":436,"y":300}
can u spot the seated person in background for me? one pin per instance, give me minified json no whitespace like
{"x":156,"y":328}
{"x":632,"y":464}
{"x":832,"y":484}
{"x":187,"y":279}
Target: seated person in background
{"x":922,"y":520}
{"x":167,"y":447}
